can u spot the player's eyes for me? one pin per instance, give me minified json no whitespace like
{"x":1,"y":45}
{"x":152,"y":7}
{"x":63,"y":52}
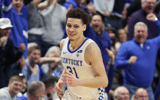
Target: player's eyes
{"x":68,"y":25}
{"x":75,"y":26}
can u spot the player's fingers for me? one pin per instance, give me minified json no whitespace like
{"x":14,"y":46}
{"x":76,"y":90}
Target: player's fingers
{"x":60,"y":91}
{"x":69,"y":73}
{"x":64,"y":75}
{"x":59,"y":95}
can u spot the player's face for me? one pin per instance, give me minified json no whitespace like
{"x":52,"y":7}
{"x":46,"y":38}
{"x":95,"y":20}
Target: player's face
{"x":75,"y":28}
{"x":17,"y":4}
{"x":34,"y":56}
{"x":141,"y":33}
{"x":123,"y":95}
{"x":97,"y":23}
{"x":149,"y":6}
{"x":15,"y":86}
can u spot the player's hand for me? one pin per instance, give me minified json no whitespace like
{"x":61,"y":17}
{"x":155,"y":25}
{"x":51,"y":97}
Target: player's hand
{"x":132,"y":60}
{"x":58,"y":89}
{"x":151,"y":17}
{"x":22,"y":47}
{"x":3,"y":40}
{"x":69,"y":79}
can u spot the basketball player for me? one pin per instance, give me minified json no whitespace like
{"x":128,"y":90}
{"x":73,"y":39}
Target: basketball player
{"x":84,"y":73}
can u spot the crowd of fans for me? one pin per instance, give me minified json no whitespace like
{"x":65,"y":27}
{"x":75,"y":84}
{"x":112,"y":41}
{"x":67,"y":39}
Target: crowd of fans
{"x":31,"y":31}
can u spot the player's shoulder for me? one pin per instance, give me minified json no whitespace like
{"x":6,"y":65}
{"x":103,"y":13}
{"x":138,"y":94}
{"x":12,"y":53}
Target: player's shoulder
{"x":92,"y":47}
{"x":62,"y":42}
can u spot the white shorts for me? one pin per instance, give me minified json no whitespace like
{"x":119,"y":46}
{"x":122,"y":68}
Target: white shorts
{"x":68,"y":96}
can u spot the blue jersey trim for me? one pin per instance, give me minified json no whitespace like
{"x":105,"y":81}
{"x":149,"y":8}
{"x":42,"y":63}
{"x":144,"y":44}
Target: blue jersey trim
{"x":77,"y":48}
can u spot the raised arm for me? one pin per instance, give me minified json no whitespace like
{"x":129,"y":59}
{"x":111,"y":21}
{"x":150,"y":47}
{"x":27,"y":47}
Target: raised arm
{"x":49,"y":59}
{"x":46,"y":4}
{"x":7,"y":4}
{"x":152,"y":17}
{"x":36,"y":2}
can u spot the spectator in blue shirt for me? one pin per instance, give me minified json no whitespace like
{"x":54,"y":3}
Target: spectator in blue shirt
{"x":138,"y":57}
{"x":32,"y":71}
{"x":13,"y":10}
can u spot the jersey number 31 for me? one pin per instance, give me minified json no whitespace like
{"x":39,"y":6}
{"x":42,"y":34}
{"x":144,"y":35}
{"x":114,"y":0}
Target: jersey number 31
{"x":72,"y":70}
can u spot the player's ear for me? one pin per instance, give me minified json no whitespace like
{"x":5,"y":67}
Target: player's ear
{"x":84,"y":27}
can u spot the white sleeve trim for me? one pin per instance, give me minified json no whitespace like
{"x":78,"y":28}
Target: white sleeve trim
{"x":5,"y":8}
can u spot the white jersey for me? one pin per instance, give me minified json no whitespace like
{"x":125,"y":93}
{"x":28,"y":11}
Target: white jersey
{"x":74,"y":62}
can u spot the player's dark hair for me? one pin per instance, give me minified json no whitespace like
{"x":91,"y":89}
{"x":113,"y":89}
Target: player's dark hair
{"x":78,"y":13}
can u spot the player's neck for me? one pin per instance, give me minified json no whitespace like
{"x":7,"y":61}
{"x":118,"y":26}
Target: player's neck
{"x":73,"y":45}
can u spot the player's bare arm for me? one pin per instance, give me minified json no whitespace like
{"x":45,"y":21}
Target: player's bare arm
{"x":93,"y":56}
{"x":60,"y":82}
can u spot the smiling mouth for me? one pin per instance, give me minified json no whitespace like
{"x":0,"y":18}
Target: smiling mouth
{"x":72,"y":34}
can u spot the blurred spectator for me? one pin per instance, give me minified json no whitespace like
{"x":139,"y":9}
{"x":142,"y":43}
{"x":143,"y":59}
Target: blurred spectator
{"x":24,"y":84}
{"x":110,"y":30}
{"x":105,"y":7}
{"x":121,"y":37}
{"x":139,"y":55}
{"x":50,"y":83}
{"x":91,"y":9}
{"x":103,"y":40}
{"x":124,"y":17}
{"x":55,"y":20}
{"x":13,"y":90}
{"x":31,"y":71}
{"x":128,"y":2}
{"x":148,"y":6}
{"x":35,"y":91}
{"x":17,"y":67}
{"x":31,"y":44}
{"x":157,"y":92}
{"x":121,"y":93}
{"x":116,"y":15}
{"x":8,"y":53}
{"x":141,"y":94}
{"x":75,"y":4}
{"x":35,"y":20}
{"x":136,"y":5}
{"x":13,"y":10}
{"x":53,"y":68}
